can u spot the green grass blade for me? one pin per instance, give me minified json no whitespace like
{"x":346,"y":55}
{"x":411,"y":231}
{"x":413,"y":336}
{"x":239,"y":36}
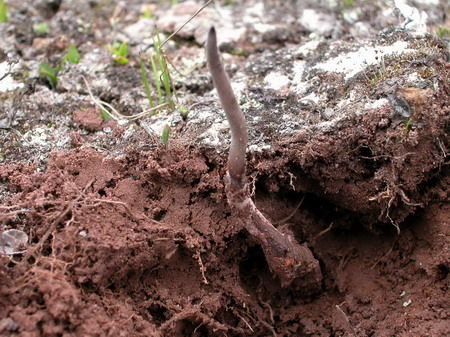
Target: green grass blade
{"x":156,"y":78}
{"x":165,"y":76}
{"x":144,"y":77}
{"x":3,"y":12}
{"x":165,"y":135}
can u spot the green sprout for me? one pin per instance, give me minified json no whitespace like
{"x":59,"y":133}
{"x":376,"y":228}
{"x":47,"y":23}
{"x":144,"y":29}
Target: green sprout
{"x":172,"y":2}
{"x":147,"y":13}
{"x":348,"y":3}
{"x":3,"y":12}
{"x":443,"y":32}
{"x":164,"y":77}
{"x":157,"y":80}
{"x":72,"y":55}
{"x":408,"y":126}
{"x":165,"y":135}
{"x":106,"y":116}
{"x":51,"y":73}
{"x":40,"y":28}
{"x":120,"y":52}
{"x":144,"y":77}
{"x":184,"y":112}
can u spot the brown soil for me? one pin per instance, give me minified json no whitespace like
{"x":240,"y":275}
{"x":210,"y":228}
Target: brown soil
{"x":145,"y":245}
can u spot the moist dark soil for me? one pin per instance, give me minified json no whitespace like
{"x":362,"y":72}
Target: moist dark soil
{"x":128,"y":237}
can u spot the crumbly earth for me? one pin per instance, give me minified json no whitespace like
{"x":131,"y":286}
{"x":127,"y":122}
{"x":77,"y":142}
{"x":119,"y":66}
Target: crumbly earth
{"x":128,"y":237}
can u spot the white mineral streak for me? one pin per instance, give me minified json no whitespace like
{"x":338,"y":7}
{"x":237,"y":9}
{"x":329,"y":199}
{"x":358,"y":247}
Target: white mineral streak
{"x":352,"y":63}
{"x":428,"y":2}
{"x":300,"y":87}
{"x":308,"y":48}
{"x":140,"y":31}
{"x":376,"y":104}
{"x":217,"y":126}
{"x":254,"y":14}
{"x":311,"y":98}
{"x":276,"y":81}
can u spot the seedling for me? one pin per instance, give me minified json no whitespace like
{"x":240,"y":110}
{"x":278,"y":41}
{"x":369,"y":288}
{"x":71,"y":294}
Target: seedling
{"x":165,"y":135}
{"x":147,"y":12}
{"x":51,"y":73}
{"x":443,"y":32}
{"x":172,"y":2}
{"x":294,"y":264}
{"x":184,"y":112}
{"x":120,"y":52}
{"x":40,"y":28}
{"x":3,"y":12}
{"x":72,"y":55}
{"x":408,"y":126}
{"x":348,"y":3}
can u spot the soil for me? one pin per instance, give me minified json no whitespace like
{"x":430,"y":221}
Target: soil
{"x":129,"y":237}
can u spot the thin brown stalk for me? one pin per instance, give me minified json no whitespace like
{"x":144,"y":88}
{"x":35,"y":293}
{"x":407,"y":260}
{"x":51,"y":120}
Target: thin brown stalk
{"x":293,"y":263}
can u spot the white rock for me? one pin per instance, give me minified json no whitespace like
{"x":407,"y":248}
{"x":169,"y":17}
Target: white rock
{"x":415,"y":20}
{"x":319,"y":23}
{"x":8,"y":83}
{"x":276,"y":81}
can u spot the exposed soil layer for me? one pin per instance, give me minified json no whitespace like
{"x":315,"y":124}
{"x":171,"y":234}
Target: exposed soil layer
{"x":378,"y":171}
{"x":145,"y":245}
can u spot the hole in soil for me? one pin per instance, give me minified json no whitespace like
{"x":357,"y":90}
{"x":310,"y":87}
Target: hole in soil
{"x":111,"y":287}
{"x":226,"y":316}
{"x":160,"y":215}
{"x":367,"y":158}
{"x":442,"y":272}
{"x":158,"y":313}
{"x":47,"y":251}
{"x":102,"y":192}
{"x":188,"y":328}
{"x":253,"y":268}
{"x":277,"y":199}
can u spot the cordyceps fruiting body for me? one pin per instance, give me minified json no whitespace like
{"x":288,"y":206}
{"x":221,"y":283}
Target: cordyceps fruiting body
{"x":294,"y":264}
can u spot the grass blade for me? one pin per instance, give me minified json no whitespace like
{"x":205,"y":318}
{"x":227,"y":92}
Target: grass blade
{"x":144,"y":77}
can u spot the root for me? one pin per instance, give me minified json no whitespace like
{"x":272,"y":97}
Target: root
{"x":198,"y":256}
{"x":194,"y":315}
{"x":346,"y":320}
